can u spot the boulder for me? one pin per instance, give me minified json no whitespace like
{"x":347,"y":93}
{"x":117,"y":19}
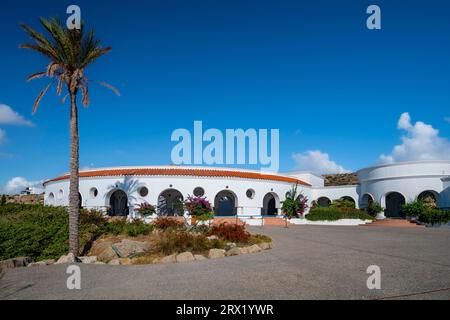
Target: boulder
{"x":128,"y":247}
{"x":169,"y":259}
{"x":185,"y":257}
{"x":114,"y":262}
{"x":199,"y":257}
{"x":88,"y":259}
{"x":253,"y":249}
{"x":125,"y":261}
{"x":103,"y":251}
{"x":70,"y":258}
{"x":230,"y":245}
{"x":42,"y":263}
{"x":265,"y":245}
{"x":213,"y":237}
{"x":216,"y":253}
{"x":15,"y":262}
{"x":234,"y":252}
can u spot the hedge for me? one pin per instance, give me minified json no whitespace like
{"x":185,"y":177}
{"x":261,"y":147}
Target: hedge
{"x":333,"y":214}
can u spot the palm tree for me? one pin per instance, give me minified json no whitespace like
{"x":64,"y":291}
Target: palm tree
{"x":70,"y":52}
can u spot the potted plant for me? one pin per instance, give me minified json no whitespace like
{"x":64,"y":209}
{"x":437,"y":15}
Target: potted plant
{"x":145,"y":209}
{"x":375,"y":210}
{"x":199,"y":208}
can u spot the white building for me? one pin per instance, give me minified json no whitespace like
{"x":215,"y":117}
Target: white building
{"x":249,"y":193}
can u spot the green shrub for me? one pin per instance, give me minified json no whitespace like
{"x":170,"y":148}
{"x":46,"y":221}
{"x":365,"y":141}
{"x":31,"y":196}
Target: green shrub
{"x":373,"y":208}
{"x":342,"y":203}
{"x":134,"y":228}
{"x":333,"y":214}
{"x":414,"y":208}
{"x":42,"y":232}
{"x":179,"y":241}
{"x":434,"y":216}
{"x":259,"y":238}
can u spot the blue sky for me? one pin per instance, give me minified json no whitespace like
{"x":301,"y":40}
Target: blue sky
{"x":312,"y":69}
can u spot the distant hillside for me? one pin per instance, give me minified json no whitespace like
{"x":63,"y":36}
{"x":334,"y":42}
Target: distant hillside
{"x":342,"y":179}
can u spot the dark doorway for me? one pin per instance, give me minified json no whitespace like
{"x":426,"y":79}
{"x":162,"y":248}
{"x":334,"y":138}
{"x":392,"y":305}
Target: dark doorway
{"x":170,"y":203}
{"x":269,"y":205}
{"x":394,"y":202}
{"x":118,"y":204}
{"x":225,"y":204}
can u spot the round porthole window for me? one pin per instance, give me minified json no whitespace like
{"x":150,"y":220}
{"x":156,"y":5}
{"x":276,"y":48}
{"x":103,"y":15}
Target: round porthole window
{"x":250,"y":193}
{"x":93,"y":192}
{"x":143,"y":192}
{"x":199,"y":192}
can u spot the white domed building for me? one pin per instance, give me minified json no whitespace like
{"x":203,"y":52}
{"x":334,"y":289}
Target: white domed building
{"x":247,"y":193}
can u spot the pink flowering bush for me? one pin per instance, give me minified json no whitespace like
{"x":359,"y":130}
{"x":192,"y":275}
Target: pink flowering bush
{"x":145,"y":209}
{"x":198,"y":206}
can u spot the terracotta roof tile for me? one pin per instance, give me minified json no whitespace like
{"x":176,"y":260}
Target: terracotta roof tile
{"x":181,"y":172}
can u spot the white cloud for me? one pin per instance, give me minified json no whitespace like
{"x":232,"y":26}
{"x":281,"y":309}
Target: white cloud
{"x":18,"y":184}
{"x":420,"y":141}
{"x":9,"y":116}
{"x":317,"y":162}
{"x":2,"y":136}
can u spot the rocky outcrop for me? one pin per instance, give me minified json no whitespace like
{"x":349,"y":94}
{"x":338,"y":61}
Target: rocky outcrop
{"x":109,"y":250}
{"x":342,"y":179}
{"x":15,"y":262}
{"x":185,"y":257}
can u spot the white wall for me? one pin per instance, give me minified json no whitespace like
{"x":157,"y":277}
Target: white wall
{"x":157,"y":184}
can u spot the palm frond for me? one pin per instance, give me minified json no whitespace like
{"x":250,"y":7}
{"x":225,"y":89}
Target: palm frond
{"x":36,"y":75}
{"x":39,"y":97}
{"x":107,"y":85}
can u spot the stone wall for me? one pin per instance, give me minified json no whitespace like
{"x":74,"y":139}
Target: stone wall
{"x":343,"y":179}
{"x":26,"y":198}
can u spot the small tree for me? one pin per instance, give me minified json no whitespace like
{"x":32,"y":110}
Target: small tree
{"x":295,"y":204}
{"x":3,"y":200}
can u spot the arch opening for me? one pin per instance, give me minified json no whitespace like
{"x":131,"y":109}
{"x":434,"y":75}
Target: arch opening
{"x":118,"y":203}
{"x":170,"y":203}
{"x":225,"y":204}
{"x":270,"y":204}
{"x":394,"y":203}
{"x":324,"y":202}
{"x":431,"y":198}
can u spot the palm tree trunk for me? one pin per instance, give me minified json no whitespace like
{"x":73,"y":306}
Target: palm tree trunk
{"x":74,"y":205}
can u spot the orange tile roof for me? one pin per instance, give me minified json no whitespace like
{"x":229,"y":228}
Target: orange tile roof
{"x":181,"y":172}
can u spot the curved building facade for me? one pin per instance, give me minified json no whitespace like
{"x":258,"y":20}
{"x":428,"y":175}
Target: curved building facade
{"x":249,"y":193}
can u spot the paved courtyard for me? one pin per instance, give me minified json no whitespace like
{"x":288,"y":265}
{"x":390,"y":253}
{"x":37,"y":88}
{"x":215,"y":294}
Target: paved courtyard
{"x":307,"y":262}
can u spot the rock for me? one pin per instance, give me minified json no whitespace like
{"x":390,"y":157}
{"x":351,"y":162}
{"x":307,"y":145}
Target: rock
{"x":88,"y":259}
{"x":169,"y":259}
{"x":125,"y":261}
{"x":42,"y":263}
{"x":253,"y":249}
{"x":199,"y":257}
{"x":128,"y":247}
{"x":185,"y":257}
{"x":103,"y":251}
{"x":265,"y":245}
{"x":234,"y":252}
{"x":70,"y":258}
{"x":114,"y":262}
{"x":212,"y":237}
{"x":231,"y":245}
{"x":99,"y":262}
{"x":15,"y":262}
{"x":216,"y":253}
